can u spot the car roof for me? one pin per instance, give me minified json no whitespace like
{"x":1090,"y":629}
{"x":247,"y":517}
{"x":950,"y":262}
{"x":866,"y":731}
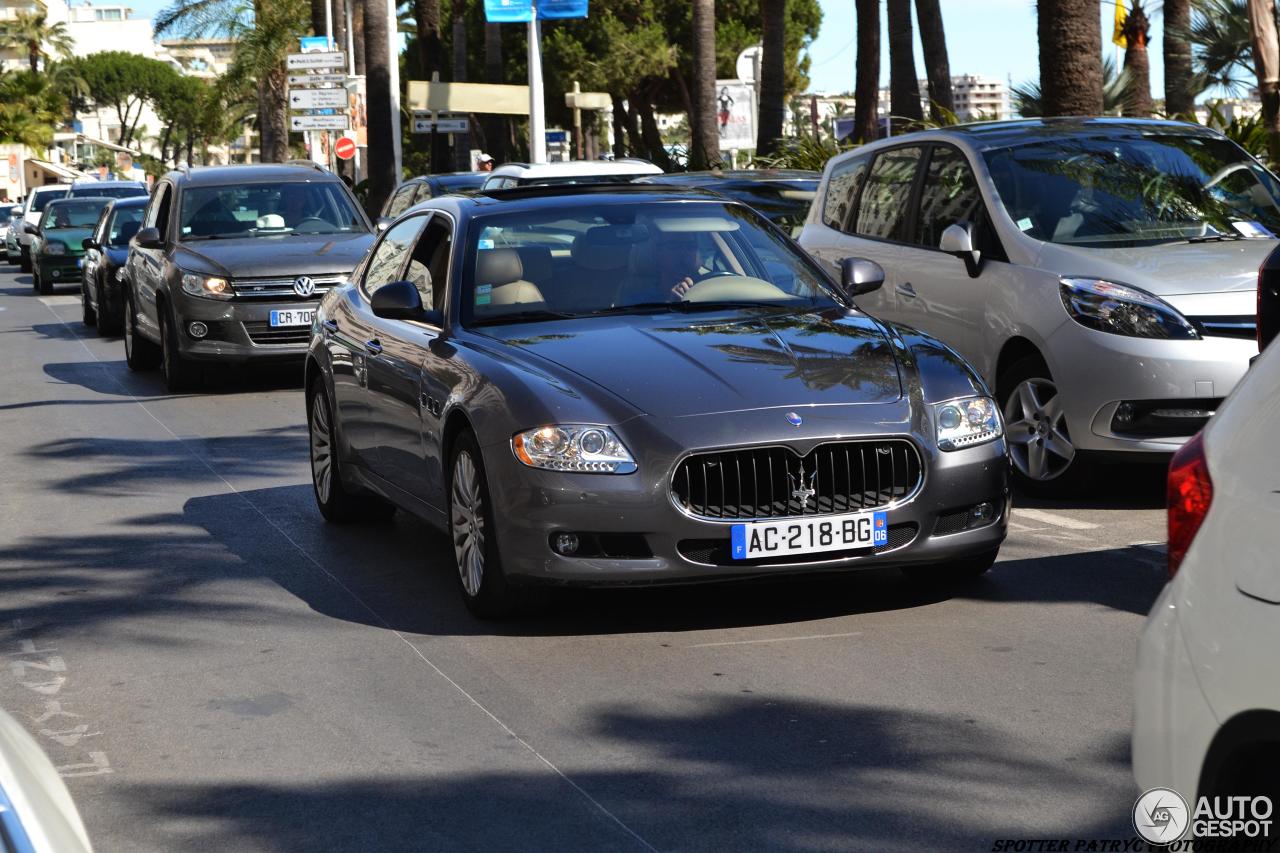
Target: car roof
{"x":715,"y":176}
{"x":79,"y":199}
{"x":94,"y":182}
{"x":131,"y":201}
{"x":539,"y":197}
{"x":66,"y":188}
{"x":990,"y":135}
{"x":570,"y":168}
{"x":251,"y":173}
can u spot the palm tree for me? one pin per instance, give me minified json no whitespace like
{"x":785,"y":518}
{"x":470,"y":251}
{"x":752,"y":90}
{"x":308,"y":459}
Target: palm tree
{"x":32,"y":34}
{"x":495,"y":126}
{"x":357,"y":35}
{"x":1070,"y":35}
{"x":866,"y":91}
{"x":1029,"y":103}
{"x":936,"y":65}
{"x":1137,"y":31}
{"x":704,"y":135}
{"x":1266,"y":58}
{"x":904,"y":90}
{"x":773,"y":88}
{"x":382,"y":161}
{"x":1179,"y":99}
{"x":264,"y":33}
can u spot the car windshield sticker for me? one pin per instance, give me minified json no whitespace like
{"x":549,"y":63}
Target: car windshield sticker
{"x":1025,"y":224}
{"x":485,"y":243}
{"x":484,"y":293}
{"x":1252,"y":230}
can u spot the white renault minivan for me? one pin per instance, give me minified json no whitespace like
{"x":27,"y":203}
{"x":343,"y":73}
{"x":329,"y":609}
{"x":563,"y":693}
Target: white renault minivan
{"x":1101,"y":274}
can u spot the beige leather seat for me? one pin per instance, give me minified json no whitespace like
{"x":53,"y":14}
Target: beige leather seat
{"x":502,"y":271}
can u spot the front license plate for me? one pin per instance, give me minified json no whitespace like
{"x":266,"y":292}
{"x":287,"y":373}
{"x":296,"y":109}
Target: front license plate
{"x":293,"y":317}
{"x":810,"y":535}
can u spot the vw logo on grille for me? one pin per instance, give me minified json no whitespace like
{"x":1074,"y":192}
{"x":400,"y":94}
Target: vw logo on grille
{"x":304,"y":286}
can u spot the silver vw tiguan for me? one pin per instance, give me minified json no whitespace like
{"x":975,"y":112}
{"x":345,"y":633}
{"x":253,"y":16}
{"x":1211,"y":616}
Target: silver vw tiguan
{"x":1101,"y":274}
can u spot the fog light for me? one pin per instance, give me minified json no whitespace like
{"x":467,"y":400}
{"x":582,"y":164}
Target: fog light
{"x":983,"y":512}
{"x":1125,"y":413}
{"x":565,"y":543}
{"x":198,"y":329}
{"x":56,"y":273}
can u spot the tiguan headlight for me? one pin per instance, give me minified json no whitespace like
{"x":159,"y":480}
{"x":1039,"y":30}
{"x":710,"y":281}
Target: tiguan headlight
{"x":966,"y":422}
{"x":1123,"y":310}
{"x":210,"y":287}
{"x":582,"y":448}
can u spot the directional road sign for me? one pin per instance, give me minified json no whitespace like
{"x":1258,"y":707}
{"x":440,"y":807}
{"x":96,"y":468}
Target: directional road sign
{"x":317,"y":99}
{"x":338,"y":122}
{"x":444,"y":125}
{"x":316,"y":79}
{"x":328,"y":59}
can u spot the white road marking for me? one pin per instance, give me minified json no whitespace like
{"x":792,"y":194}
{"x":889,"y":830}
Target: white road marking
{"x":1053,"y":518}
{"x":54,"y":301}
{"x":775,"y":640}
{"x":100,"y":759}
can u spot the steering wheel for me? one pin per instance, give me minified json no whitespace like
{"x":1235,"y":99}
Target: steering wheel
{"x":313,"y":221}
{"x":714,"y":274}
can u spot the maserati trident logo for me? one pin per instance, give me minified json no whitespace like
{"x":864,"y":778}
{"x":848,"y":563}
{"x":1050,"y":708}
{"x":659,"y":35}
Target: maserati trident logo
{"x":304,"y":286}
{"x":803,"y":490}
{"x":794,"y":419}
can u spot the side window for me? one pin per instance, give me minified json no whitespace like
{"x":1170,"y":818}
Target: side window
{"x":158,"y":210}
{"x":400,"y":202}
{"x":389,"y":257}
{"x":424,"y":192}
{"x":949,"y":195}
{"x":429,"y":266}
{"x":842,"y":191}
{"x":884,"y":210}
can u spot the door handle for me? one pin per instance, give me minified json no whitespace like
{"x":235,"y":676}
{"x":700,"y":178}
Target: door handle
{"x":329,"y":325}
{"x":906,"y":290}
{"x":373,"y":347}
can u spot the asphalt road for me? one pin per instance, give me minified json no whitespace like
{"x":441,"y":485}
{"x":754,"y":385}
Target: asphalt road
{"x":214,"y":668}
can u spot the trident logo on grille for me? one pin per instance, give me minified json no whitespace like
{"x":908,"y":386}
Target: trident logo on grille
{"x":804,"y":490}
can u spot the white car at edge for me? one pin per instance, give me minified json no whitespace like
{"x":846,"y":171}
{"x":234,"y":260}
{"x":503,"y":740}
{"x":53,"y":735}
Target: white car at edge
{"x":1207,"y":688}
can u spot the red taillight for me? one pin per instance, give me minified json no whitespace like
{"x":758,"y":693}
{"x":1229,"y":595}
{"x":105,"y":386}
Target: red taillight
{"x":1189,"y":494}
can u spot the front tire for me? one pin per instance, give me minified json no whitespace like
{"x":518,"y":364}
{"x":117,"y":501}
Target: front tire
{"x":336,"y":502}
{"x":139,"y":353}
{"x":88,"y":315}
{"x":1045,"y":461}
{"x":179,"y":373}
{"x":483,"y":583}
{"x":24,"y":259}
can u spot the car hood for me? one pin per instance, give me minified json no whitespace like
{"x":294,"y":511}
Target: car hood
{"x":678,"y":365}
{"x":1168,"y":270}
{"x":73,"y":238}
{"x":281,"y":255}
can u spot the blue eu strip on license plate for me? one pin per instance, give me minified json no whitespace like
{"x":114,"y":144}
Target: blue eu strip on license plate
{"x":809,"y":535}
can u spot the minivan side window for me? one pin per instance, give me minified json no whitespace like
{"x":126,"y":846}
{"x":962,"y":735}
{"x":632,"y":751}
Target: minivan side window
{"x":842,"y":192}
{"x":885,"y":208}
{"x":949,"y":195}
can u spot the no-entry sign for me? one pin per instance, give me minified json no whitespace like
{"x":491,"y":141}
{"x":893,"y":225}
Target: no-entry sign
{"x":345,"y":148}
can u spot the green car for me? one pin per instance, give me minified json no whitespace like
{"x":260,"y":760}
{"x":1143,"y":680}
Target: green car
{"x":57,"y":247}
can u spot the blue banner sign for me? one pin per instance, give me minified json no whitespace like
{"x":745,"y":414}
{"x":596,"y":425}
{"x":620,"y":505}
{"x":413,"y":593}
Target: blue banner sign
{"x":551,"y":10}
{"x":522,"y":11}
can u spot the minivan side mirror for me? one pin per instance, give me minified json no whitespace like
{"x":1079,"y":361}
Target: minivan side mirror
{"x":400,"y":300}
{"x":859,"y":276}
{"x":149,"y":238}
{"x":961,"y":240}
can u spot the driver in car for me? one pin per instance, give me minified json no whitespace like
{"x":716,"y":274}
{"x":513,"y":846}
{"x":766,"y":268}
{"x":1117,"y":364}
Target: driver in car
{"x":678,"y":262}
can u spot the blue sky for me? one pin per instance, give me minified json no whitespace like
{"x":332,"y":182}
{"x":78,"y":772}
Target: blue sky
{"x":994,"y":38}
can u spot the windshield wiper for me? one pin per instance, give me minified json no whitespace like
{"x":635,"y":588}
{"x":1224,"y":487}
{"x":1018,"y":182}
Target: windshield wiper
{"x":521,"y":317}
{"x":208,"y":237}
{"x":1213,"y":238}
{"x":681,"y":307}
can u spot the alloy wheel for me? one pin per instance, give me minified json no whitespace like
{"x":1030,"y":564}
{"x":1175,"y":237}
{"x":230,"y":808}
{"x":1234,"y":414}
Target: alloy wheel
{"x":1036,"y":426}
{"x":321,"y":448}
{"x":128,"y":329}
{"x":467,"y":521}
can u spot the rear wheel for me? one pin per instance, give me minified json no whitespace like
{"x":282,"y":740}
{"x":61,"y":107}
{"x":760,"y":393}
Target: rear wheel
{"x":179,"y":373}
{"x":484,"y":585}
{"x":1045,"y":461}
{"x":337,"y":503}
{"x":139,"y":353}
{"x":109,"y":319}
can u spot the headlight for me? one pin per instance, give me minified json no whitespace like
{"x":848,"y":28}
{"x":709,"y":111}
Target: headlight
{"x":573,"y":447}
{"x":210,"y":287}
{"x":53,"y":247}
{"x":1123,"y":310}
{"x":967,"y":422}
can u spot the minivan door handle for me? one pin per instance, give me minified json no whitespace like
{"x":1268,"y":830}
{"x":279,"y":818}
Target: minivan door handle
{"x":906,"y":290}
{"x":373,"y":347}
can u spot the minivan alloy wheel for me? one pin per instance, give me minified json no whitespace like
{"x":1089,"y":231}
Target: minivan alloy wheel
{"x":467,"y":523}
{"x":1036,"y":427}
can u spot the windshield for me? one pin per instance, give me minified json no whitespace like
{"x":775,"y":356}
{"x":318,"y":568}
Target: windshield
{"x":786,"y":205}
{"x":110,"y":192}
{"x":73,"y":214}
{"x":261,"y":210}
{"x":593,"y":259}
{"x":125,"y":222}
{"x":1135,"y":190}
{"x":39,"y":200}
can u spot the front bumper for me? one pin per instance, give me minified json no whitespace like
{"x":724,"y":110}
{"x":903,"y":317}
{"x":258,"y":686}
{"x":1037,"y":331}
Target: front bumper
{"x":60,"y":269}
{"x":240,"y":330}
{"x":1095,"y":372}
{"x":531,"y":505}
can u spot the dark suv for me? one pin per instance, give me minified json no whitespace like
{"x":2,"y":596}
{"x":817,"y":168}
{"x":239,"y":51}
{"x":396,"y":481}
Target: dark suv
{"x":231,"y":262}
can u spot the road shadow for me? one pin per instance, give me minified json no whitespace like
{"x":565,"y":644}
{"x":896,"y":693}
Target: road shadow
{"x":115,"y":378}
{"x":744,"y":772}
{"x":1119,"y":485}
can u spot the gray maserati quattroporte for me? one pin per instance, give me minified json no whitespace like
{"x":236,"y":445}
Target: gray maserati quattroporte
{"x":628,"y":384}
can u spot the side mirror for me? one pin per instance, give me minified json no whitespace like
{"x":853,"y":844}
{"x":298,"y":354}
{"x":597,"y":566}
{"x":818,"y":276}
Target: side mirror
{"x":960,"y":240}
{"x":88,"y":243}
{"x":16,"y":211}
{"x":149,"y":238}
{"x":30,"y":228}
{"x":859,"y":276}
{"x":384,"y":222}
{"x":398,"y":300}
